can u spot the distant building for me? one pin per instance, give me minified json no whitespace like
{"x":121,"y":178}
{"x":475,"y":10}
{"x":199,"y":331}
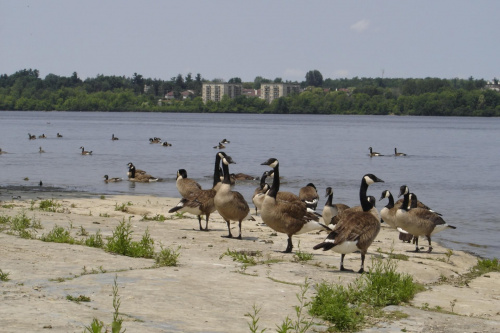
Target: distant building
{"x":493,"y":86}
{"x":215,"y":91}
{"x":272,"y":91}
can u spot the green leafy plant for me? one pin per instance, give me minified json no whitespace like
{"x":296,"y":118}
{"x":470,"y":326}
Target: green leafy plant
{"x":95,"y":240}
{"x":157,"y":217}
{"x":49,"y":205}
{"x":59,"y":235}
{"x":4,"y":276}
{"x":244,"y":257}
{"x":167,"y":257}
{"x":78,"y":299}
{"x":121,"y":242}
{"x":23,"y":226}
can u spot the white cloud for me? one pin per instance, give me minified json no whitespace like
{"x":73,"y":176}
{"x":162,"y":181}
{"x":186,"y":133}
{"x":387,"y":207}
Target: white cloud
{"x":360,"y":26}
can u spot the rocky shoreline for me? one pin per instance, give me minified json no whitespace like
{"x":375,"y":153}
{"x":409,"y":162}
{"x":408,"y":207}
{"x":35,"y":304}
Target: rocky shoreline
{"x":207,"y":291}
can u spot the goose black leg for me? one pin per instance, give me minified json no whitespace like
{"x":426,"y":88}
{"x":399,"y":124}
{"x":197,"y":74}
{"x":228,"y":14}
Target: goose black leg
{"x":289,"y":246}
{"x":362,"y":269}
{"x":229,"y":229}
{"x":239,"y":237}
{"x":342,"y":268}
{"x":430,"y":247}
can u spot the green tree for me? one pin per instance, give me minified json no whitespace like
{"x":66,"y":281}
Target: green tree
{"x":314,"y":78}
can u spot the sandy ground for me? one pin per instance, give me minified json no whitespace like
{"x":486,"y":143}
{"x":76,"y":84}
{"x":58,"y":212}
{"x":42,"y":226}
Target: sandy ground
{"x":205,"y":293}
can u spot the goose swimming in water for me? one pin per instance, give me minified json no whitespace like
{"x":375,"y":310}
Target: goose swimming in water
{"x":398,"y":154}
{"x":374,"y":153}
{"x":111,"y":180}
{"x":85,"y":152}
{"x":356,"y":230}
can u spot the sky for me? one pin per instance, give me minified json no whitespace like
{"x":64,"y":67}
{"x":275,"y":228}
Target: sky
{"x":223,"y":39}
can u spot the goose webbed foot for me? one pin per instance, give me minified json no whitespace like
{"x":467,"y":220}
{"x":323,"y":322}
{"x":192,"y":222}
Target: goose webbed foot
{"x":361,"y":270}
{"x":289,"y":246}
{"x":429,"y":250}
{"x":228,"y":236}
{"x":239,"y":237}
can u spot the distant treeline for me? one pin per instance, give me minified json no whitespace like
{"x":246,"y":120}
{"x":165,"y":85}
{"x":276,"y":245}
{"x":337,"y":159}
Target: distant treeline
{"x":25,"y":90}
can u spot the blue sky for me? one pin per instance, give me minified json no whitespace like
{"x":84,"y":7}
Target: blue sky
{"x":232,"y":38}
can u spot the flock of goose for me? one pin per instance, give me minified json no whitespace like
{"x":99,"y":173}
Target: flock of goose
{"x":350,"y":229}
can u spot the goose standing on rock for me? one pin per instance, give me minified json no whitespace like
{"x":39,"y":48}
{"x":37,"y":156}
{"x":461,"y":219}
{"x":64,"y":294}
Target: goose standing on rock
{"x":374,"y":153}
{"x":309,"y":195}
{"x":185,"y":185}
{"x":290,"y":218}
{"x":418,"y":221}
{"x":260,"y":192}
{"x":201,"y":202}
{"x":231,"y":205}
{"x":357,"y":229}
{"x":330,"y":210}
{"x":398,"y":154}
{"x":85,"y":152}
{"x":388,"y":215}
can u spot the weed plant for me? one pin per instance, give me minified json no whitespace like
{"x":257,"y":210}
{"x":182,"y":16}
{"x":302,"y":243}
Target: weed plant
{"x":4,"y":276}
{"x":23,"y":226}
{"x":78,"y":299}
{"x":95,"y":240}
{"x":345,"y":307}
{"x":243,"y":257}
{"x":49,"y":205}
{"x":157,"y":217}
{"x":167,"y":257}
{"x":59,"y":235}
{"x":97,"y":326}
{"x":121,"y":242}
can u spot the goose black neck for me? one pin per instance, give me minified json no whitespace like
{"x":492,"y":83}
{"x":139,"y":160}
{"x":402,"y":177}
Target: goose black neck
{"x":406,"y":199}
{"x":263,"y":180}
{"x":276,"y":182}
{"x":391,"y":202}
{"x":329,"y":201}
{"x":227,"y":176}
{"x":365,"y":204}
{"x":132,"y":172}
{"x":217,"y":170}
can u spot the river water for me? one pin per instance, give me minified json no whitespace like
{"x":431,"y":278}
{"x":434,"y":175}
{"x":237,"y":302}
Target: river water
{"x":451,"y":163}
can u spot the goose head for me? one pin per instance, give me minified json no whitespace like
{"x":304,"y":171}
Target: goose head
{"x":272,"y":162}
{"x":403,"y":190}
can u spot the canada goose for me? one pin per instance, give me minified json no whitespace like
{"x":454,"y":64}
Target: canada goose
{"x":111,"y":180}
{"x":185,"y":185}
{"x":357,"y":229}
{"x":225,"y":141}
{"x":398,"y":154}
{"x":290,"y":218}
{"x":40,"y":150}
{"x":220,"y":146}
{"x":133,"y":176}
{"x":231,"y":205}
{"x":136,"y":171}
{"x":330,"y":210}
{"x":59,"y":135}
{"x":309,"y":195}
{"x":85,"y":152}
{"x":154,"y":140}
{"x":2,"y":152}
{"x":114,"y":138}
{"x":201,"y":202}
{"x":42,"y":136}
{"x":166,"y":144}
{"x":418,"y":221}
{"x":373,"y":153}
{"x":31,"y":137}
{"x":388,"y":214}
{"x":260,"y":192}
{"x":242,"y":176}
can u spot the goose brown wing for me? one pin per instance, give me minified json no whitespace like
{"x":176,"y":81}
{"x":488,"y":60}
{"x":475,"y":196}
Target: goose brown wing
{"x":356,"y":226}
